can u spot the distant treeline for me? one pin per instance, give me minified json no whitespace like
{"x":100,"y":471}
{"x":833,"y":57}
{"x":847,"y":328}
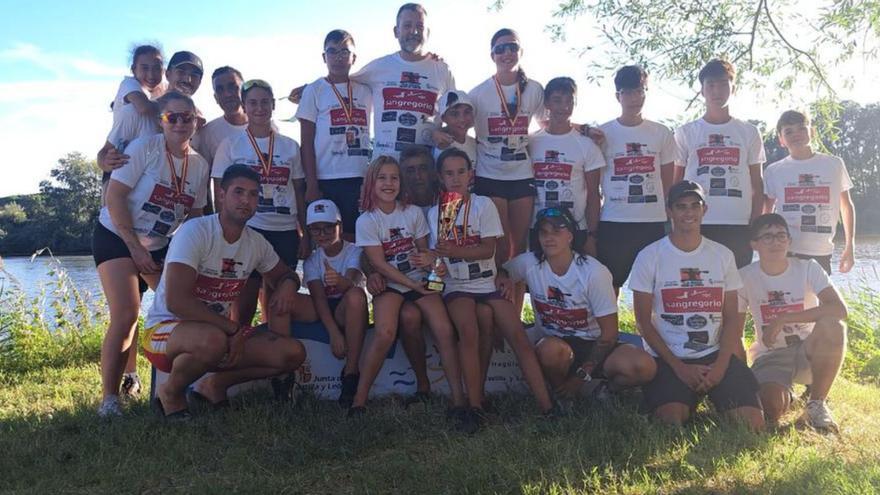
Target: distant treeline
{"x":61,"y":216}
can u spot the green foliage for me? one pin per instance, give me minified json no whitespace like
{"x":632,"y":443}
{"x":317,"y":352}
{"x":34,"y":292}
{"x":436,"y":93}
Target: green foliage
{"x":12,"y":212}
{"x":863,"y":354}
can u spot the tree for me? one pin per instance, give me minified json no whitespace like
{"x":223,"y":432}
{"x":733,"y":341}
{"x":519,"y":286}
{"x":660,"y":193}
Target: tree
{"x":12,"y":212}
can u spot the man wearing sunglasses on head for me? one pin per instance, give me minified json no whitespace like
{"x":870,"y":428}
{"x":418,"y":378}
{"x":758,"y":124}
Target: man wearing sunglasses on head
{"x":800,"y":334}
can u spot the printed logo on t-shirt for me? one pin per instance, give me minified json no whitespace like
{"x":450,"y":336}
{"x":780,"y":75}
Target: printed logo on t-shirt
{"x":555,"y":314}
{"x":338,"y":117}
{"x":718,"y":151}
{"x":169,"y":208}
{"x":501,"y":126}
{"x":227,"y":268}
{"x":218,"y":294}
{"x":776,"y":304}
{"x":692,"y":300}
{"x":397,"y":249}
{"x":815,"y":194}
{"x":415,"y":100}
{"x":692,"y":277}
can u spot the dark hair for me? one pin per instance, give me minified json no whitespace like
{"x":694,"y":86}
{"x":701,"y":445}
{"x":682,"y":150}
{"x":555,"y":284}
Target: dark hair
{"x":226,"y":70}
{"x":792,"y":117}
{"x":630,"y":77}
{"x":139,"y":50}
{"x":717,"y":68}
{"x":416,"y":150}
{"x":170,"y":96}
{"x":767,"y":220}
{"x":415,"y":7}
{"x":453,"y":153}
{"x":576,"y":242}
{"x":560,"y":85}
{"x":522,"y":79}
{"x":338,"y":36}
{"x":236,"y":171}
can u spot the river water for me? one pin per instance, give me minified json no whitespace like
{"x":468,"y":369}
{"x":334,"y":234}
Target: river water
{"x":39,"y":275}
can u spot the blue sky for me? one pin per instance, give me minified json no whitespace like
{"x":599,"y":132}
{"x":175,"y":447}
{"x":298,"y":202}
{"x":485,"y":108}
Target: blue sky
{"x":61,"y":62}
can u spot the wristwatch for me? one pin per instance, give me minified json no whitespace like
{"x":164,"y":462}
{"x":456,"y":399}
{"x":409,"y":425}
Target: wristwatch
{"x":583,"y":374}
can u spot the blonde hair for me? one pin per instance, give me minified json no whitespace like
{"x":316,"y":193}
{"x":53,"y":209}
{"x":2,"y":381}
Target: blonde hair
{"x":368,"y":201}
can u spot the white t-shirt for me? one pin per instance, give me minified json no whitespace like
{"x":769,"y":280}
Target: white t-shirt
{"x":688,"y":290}
{"x":405,"y":100}
{"x":348,"y":258}
{"x":807,"y":194}
{"x":767,"y":296}
{"x":397,"y":233}
{"x":567,"y":305}
{"x":276,"y":210}
{"x":155,"y":207}
{"x":631,"y":185}
{"x":482,"y":221}
{"x":222,"y":268}
{"x":718,"y":156}
{"x":128,"y":124}
{"x":342,"y":142}
{"x":560,"y":162}
{"x":469,"y":146}
{"x":208,"y":138}
{"x":502,"y":146}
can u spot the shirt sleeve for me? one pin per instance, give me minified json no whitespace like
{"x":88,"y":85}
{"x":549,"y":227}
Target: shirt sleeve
{"x":187,"y":245}
{"x":518,"y":267}
{"x":312,"y":267}
{"x":433,"y":213}
{"x":367,"y":73}
{"x":366,"y":231}
{"x":352,"y":259}
{"x":222,"y":158}
{"x":128,"y":86}
{"x":267,"y":258}
{"x":593,"y":157}
{"x":132,"y":171}
{"x":668,"y":149}
{"x":770,"y":181}
{"x":732,"y":281}
{"x":201,"y":198}
{"x":308,"y":105}
{"x":490,"y":222}
{"x":845,"y":181}
{"x":641,"y":278}
{"x":296,"y":168}
{"x":816,"y":277}
{"x":756,"y":147}
{"x":742,"y":295}
{"x":600,"y":291}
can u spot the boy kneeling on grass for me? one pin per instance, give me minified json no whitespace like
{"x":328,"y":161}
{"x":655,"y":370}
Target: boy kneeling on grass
{"x":189,"y":332}
{"x":334,"y":278}
{"x":800,"y":335}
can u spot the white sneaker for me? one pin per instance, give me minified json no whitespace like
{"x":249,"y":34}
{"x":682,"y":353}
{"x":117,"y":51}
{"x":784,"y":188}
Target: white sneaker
{"x":817,"y":415}
{"x":110,"y":407}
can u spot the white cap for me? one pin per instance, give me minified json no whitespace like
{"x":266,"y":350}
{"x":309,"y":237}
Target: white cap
{"x":452,"y":98}
{"x":322,"y":210}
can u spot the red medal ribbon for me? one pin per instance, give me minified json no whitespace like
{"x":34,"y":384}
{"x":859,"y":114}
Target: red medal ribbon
{"x":177,"y":182}
{"x":504,"y":109}
{"x":265,"y":165}
{"x":347,"y":109}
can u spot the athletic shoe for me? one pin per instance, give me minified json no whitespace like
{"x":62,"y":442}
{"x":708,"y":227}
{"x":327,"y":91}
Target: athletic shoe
{"x":349,"y":388}
{"x":601,"y":393}
{"x":467,"y":421}
{"x":110,"y":408}
{"x":131,"y":386}
{"x":817,"y":415}
{"x":284,"y":388}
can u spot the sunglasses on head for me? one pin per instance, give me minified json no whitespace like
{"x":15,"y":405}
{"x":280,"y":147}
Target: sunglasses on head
{"x":259,"y":83}
{"x":503,"y":47}
{"x":555,"y":214}
{"x":175,"y":117}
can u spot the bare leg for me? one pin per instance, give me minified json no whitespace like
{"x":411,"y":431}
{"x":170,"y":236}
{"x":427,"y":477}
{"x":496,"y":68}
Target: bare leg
{"x":486,"y":323}
{"x":826,"y":347}
{"x":753,"y":417}
{"x":413,"y":339}
{"x":119,"y":281}
{"x":775,"y":400}
{"x":555,"y":357}
{"x":673,"y":413}
{"x":463,"y":312}
{"x":386,"y":310}
{"x":629,"y":366}
{"x":520,"y":217}
{"x":351,"y":314}
{"x":245,"y":306}
{"x":194,"y":348}
{"x":438,"y":319}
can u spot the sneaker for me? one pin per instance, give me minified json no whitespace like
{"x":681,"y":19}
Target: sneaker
{"x":417,"y":398}
{"x":110,"y":408}
{"x":131,"y":386}
{"x":468,"y":421}
{"x":456,"y":413}
{"x":349,"y":388}
{"x":284,"y":388}
{"x":817,"y":415}
{"x":601,"y":393}
{"x":554,"y":413}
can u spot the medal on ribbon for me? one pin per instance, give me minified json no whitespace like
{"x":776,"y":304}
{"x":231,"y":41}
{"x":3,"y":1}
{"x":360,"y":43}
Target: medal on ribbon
{"x":347,"y":105}
{"x":178,"y":182}
{"x":510,"y":111}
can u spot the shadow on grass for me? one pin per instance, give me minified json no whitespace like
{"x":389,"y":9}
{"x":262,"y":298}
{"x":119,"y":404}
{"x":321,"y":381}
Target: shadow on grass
{"x":262,"y":446}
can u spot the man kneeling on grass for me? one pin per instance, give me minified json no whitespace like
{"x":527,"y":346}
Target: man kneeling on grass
{"x":800,"y":335}
{"x":189,"y":332}
{"x":685,"y":303}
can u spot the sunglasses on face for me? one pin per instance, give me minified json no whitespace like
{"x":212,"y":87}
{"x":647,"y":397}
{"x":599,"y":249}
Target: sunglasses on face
{"x":771,"y":238}
{"x":500,"y":48}
{"x":325,"y":230}
{"x":175,"y":117}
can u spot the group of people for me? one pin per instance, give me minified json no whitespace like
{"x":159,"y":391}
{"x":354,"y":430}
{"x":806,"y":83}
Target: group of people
{"x":447,"y":228}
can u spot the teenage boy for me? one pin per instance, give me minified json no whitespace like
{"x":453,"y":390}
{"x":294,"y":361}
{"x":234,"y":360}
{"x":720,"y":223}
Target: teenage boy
{"x":457,"y":114}
{"x":567,"y":165}
{"x":685,"y":302}
{"x":335,"y":281}
{"x":724,"y":155}
{"x":189,"y":332}
{"x":811,"y":191}
{"x":335,"y":133}
{"x":639,"y":163}
{"x":800,"y":334}
{"x":406,"y":85}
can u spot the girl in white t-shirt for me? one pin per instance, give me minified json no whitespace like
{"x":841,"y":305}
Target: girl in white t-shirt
{"x":162,"y":185}
{"x":506,"y":104}
{"x":394,"y":236}
{"x":466,"y":244}
{"x":134,"y":107}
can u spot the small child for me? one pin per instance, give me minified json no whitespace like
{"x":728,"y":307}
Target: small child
{"x":811,"y":191}
{"x":457,"y":113}
{"x":334,"y":278}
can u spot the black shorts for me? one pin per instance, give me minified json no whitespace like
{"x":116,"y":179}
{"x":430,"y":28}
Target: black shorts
{"x":507,"y":189}
{"x":479,"y":298}
{"x":738,"y":388}
{"x":582,"y":349}
{"x":824,"y":261}
{"x":108,"y":246}
{"x":618,"y":244}
{"x":286,"y":245}
{"x":346,"y":193}
{"x":409,"y":296}
{"x":737,"y":238}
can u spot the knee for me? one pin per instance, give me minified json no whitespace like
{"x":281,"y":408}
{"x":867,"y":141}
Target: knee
{"x":552,"y":351}
{"x":355,"y":299}
{"x":294,"y":353}
{"x":644,"y":368}
{"x":212,"y":347}
{"x":385,"y":335}
{"x":831,"y":331}
{"x":773,"y":403}
{"x":410,"y":319}
{"x":123,"y":321}
{"x":672,"y":414}
{"x":468,"y":333}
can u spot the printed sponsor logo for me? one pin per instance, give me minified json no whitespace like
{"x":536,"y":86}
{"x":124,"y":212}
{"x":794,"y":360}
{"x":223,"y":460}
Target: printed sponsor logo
{"x":637,"y":179}
{"x":167,"y":198}
{"x":397,"y":246}
{"x":625,"y":165}
{"x":413,"y":100}
{"x":807,"y":180}
{"x":212,"y":290}
{"x":358,"y":117}
{"x":697,"y":321}
{"x":718,"y":156}
{"x":227,"y":268}
{"x":634,"y":149}
{"x":718,"y":171}
{"x":389,"y":116}
{"x":166,"y":216}
{"x":407,"y":119}
{"x":548,"y":171}
{"x":808,"y":209}
{"x":636,"y":190}
{"x":565,"y":318}
{"x":278,"y":176}
{"x":551,"y":185}
{"x":692,"y":300}
{"x":770,"y":311}
{"x":677,"y":320}
{"x":500,"y":126}
{"x":819,"y":194}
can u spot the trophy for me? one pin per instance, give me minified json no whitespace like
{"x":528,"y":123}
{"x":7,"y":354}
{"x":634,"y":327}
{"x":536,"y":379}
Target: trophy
{"x":433,"y":281}
{"x":447,"y":211}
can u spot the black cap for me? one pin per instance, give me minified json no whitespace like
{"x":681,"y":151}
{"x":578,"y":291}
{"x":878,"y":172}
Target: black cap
{"x":682,"y":189}
{"x":184,"y":57}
